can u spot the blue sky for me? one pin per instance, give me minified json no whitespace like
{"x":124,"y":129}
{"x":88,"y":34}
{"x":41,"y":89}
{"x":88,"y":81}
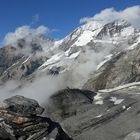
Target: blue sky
{"x":61,"y":15}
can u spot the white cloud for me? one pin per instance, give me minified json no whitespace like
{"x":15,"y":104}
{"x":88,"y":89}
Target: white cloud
{"x":40,"y":89}
{"x":24,"y":32}
{"x":130,"y":14}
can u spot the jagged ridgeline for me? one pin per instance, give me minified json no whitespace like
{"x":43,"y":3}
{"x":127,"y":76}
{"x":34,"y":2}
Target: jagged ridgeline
{"x":88,"y":84}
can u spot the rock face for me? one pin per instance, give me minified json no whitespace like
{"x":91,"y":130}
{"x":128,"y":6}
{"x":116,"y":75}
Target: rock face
{"x":110,"y":116}
{"x":99,"y":39}
{"x":68,"y":102}
{"x":23,"y":106}
{"x":8,"y":58}
{"x":67,"y":55}
{"x":19,"y":121}
{"x":123,"y":68}
{"x":20,"y":60}
{"x":133,"y":136}
{"x":83,"y":115}
{"x":101,"y":65}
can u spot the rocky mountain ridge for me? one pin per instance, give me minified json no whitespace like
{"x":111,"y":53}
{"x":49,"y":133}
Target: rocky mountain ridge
{"x":99,"y":65}
{"x":95,"y":39}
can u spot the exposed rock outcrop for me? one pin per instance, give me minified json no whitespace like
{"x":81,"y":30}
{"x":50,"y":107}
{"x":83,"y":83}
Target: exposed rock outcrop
{"x":110,"y":116}
{"x":121,"y":69}
{"x":19,"y":121}
{"x":81,"y":114}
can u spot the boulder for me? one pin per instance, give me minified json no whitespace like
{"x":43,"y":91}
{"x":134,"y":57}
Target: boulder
{"x":19,"y":120}
{"x":23,"y":106}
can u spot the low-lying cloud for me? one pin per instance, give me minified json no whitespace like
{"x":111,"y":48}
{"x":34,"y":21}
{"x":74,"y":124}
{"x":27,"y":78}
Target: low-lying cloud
{"x":43,"y":86}
{"x":41,"y":89}
{"x":130,"y":14}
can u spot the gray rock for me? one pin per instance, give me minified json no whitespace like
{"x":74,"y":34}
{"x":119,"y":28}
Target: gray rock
{"x":133,"y":136}
{"x":23,"y":106}
{"x":21,"y":122}
{"x":68,"y":102}
{"x":101,"y":119}
{"x":123,"y":68}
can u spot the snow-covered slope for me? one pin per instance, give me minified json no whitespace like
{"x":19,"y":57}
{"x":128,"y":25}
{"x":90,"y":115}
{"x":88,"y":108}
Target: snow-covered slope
{"x":95,"y":56}
{"x":88,"y":47}
{"x":84,"y":51}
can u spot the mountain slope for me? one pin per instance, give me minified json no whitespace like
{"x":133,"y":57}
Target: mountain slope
{"x":90,"y":45}
{"x":72,"y":53}
{"x":121,"y":69}
{"x":94,"y":57}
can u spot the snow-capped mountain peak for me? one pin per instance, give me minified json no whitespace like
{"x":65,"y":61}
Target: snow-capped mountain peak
{"x":83,"y":51}
{"x":90,"y":44}
{"x":96,"y":31}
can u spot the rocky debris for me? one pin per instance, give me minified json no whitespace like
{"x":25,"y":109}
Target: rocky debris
{"x":135,"y":135}
{"x":83,"y":115}
{"x":19,"y":121}
{"x":67,"y":102}
{"x":110,"y":116}
{"x":23,"y":106}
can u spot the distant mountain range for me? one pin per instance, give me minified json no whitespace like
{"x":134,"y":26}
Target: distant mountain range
{"x":103,"y":58}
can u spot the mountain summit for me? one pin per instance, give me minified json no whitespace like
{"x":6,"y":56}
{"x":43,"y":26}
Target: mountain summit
{"x":88,"y":81}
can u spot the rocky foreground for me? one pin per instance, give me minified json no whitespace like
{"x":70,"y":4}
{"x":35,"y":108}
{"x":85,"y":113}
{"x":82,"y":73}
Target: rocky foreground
{"x":20,"y":121}
{"x":111,"y":114}
{"x":106,"y":115}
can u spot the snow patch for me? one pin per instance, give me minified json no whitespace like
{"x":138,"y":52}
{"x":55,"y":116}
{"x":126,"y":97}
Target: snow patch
{"x":92,"y":25}
{"x":98,"y":96}
{"x":99,"y":116}
{"x":115,"y":100}
{"x":133,"y":87}
{"x":134,"y":45}
{"x":98,"y":99}
{"x":74,"y":55}
{"x":85,"y":38}
{"x":55,"y":58}
{"x":68,"y":51}
{"x":105,"y":41}
{"x":119,"y":87}
{"x":107,"y":58}
{"x":128,"y":108}
{"x":124,"y":107}
{"x":57,"y":43}
{"x":100,"y":102}
{"x":127,"y":31}
{"x":10,"y":67}
{"x":26,"y":60}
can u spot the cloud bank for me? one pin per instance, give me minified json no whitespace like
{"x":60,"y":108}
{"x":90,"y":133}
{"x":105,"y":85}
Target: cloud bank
{"x":41,"y":89}
{"x":130,"y":14}
{"x":24,"y":32}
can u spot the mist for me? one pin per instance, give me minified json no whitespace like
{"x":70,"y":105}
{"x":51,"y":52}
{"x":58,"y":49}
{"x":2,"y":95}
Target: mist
{"x":85,"y":65}
{"x":44,"y":86}
{"x":75,"y":75}
{"x":41,"y":89}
